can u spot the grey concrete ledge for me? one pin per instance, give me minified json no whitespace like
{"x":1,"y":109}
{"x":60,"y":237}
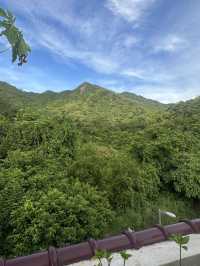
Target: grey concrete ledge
{"x":160,"y":254}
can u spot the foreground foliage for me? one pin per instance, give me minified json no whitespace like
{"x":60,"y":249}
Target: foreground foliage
{"x":182,"y":242}
{"x":107,"y":256}
{"x":8,"y":30}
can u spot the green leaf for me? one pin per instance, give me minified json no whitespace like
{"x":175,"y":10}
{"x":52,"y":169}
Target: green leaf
{"x":108,"y":256}
{"x":14,"y":54}
{"x":100,"y":254}
{"x":180,"y":240}
{"x":185,"y":240}
{"x":10,"y":15}
{"x":14,"y":36}
{"x":125,"y":255}
{"x":2,"y":13}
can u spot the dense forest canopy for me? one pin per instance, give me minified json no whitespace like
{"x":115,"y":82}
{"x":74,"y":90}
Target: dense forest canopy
{"x":90,"y":162}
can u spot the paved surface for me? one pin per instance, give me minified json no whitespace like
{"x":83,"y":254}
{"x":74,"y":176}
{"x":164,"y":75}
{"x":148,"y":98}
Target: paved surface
{"x":164,"y":253}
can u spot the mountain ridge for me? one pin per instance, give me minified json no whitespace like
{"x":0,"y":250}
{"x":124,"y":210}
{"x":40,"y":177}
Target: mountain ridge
{"x":86,"y":87}
{"x":83,"y":87}
{"x":12,"y":98}
{"x":87,"y":95}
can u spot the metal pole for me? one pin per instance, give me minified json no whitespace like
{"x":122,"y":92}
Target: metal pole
{"x":159,"y":217}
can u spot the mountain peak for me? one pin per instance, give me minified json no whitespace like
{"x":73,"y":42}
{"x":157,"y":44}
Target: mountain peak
{"x":87,"y":87}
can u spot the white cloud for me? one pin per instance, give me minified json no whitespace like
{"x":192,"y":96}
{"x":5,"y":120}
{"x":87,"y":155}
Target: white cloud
{"x":96,"y":42}
{"x":107,"y":83}
{"x":87,"y":41}
{"x":170,"y":43}
{"x":57,"y":43}
{"x":105,"y":44}
{"x":130,"y":41}
{"x":30,"y":78}
{"x":166,"y":94}
{"x":133,"y":73}
{"x":147,"y":73}
{"x":130,"y":10}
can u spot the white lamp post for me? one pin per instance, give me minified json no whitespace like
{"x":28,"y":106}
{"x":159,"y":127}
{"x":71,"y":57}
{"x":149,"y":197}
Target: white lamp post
{"x":160,"y":213}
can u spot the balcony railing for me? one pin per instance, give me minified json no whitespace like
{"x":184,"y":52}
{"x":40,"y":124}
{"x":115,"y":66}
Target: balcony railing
{"x":86,"y":250}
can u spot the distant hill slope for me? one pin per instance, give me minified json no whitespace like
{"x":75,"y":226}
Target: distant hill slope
{"x":137,"y":98}
{"x":92,"y":96}
{"x":11,"y":98}
{"x":186,"y":115}
{"x":93,"y":105}
{"x":190,"y":107}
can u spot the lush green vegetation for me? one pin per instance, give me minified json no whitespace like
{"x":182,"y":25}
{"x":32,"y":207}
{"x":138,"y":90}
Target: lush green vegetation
{"x":90,"y":162}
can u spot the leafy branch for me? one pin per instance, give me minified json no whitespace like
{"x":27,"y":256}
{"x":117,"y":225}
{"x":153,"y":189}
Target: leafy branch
{"x":125,"y":256}
{"x":181,"y":241}
{"x":100,"y":255}
{"x":20,"y":49}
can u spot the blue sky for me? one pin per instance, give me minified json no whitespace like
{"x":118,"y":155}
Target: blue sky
{"x":149,"y":47}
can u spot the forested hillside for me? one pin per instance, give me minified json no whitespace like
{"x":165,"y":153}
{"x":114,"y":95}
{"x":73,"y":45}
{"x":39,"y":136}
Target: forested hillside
{"x":90,"y":162}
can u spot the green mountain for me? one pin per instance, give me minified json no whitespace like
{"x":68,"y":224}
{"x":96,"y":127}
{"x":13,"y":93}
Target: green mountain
{"x":93,"y":108}
{"x":15,"y":98}
{"x":11,"y":98}
{"x":97,"y":101}
{"x":142,"y":100}
{"x":83,"y":163}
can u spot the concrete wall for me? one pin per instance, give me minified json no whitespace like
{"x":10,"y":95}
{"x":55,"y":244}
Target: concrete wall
{"x":164,"y":253}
